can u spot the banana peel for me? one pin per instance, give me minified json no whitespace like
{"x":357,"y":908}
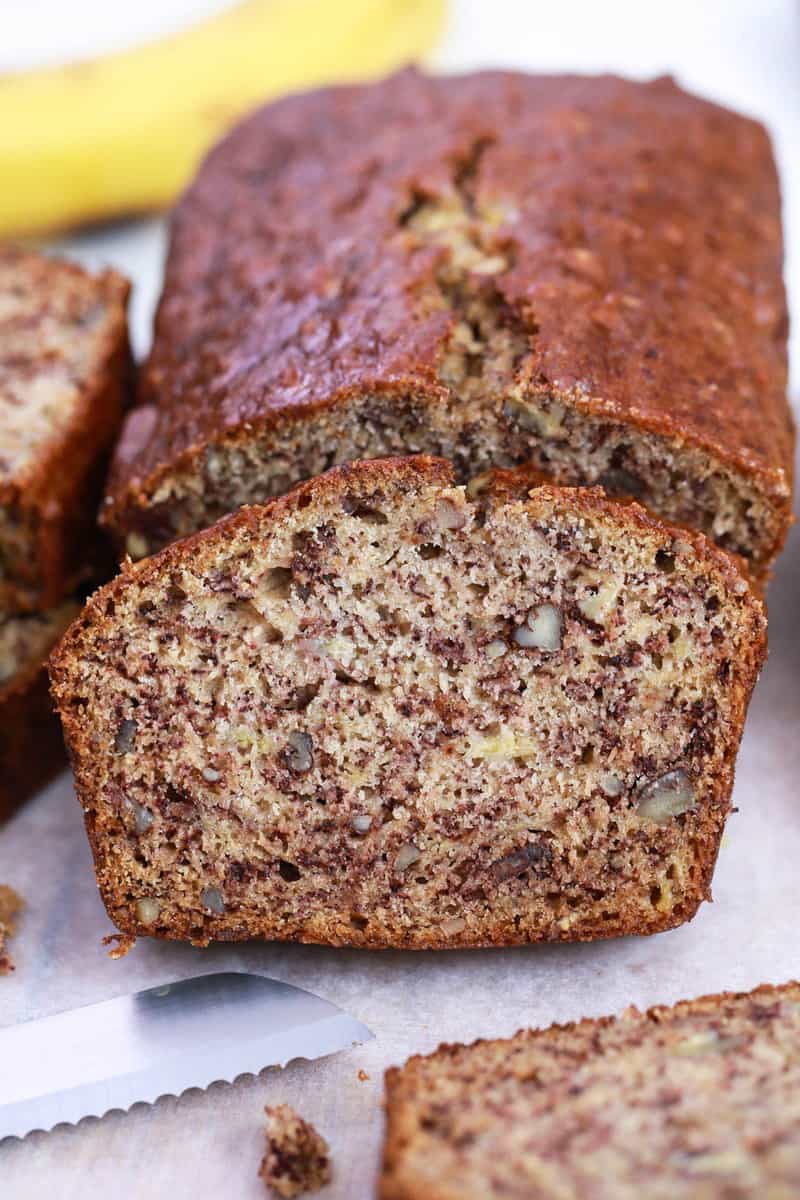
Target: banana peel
{"x":122,"y":134}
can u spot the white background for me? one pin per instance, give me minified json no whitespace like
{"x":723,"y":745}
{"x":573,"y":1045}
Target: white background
{"x":208,"y":1145}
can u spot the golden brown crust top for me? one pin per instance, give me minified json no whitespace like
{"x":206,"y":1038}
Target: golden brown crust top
{"x":641,"y":229}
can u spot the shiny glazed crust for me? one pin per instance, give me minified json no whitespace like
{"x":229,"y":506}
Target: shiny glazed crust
{"x":110,"y":719}
{"x":558,"y":257}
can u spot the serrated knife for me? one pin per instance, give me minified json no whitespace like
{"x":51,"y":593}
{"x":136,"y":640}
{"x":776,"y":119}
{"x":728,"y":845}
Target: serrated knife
{"x":160,"y":1042}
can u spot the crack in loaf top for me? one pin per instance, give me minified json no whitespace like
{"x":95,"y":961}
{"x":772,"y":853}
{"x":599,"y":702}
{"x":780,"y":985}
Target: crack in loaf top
{"x":641,"y":230}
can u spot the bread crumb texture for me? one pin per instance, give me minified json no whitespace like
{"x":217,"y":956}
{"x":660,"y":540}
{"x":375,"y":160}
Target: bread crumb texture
{"x":694,"y":1102}
{"x":297,"y":1158}
{"x":377,"y":712}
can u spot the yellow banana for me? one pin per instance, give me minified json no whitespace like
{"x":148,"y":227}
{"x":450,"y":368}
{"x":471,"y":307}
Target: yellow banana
{"x":122,"y":134}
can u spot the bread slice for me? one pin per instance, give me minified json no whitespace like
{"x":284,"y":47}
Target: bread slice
{"x":64,"y":376}
{"x":695,"y":1102}
{"x":31,"y":745}
{"x":377,"y":712}
{"x":583,"y":273}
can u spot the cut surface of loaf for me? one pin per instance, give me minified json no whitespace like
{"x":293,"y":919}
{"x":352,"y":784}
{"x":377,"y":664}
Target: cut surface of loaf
{"x":581,"y":273}
{"x":31,"y":745}
{"x":694,"y":1102}
{"x":64,"y":375}
{"x":380,"y":713}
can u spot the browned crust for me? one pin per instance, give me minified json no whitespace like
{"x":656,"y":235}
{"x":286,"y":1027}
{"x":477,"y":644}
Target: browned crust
{"x":362,"y":479}
{"x":31,"y":743}
{"x":402,"y":1082}
{"x":58,"y":496}
{"x":636,"y":176}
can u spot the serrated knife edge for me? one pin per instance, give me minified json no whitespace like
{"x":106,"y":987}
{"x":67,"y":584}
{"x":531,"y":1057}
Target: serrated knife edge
{"x":190,"y":1067}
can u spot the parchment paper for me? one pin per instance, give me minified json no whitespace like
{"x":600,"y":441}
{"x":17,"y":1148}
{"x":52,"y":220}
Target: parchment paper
{"x":208,"y":1145}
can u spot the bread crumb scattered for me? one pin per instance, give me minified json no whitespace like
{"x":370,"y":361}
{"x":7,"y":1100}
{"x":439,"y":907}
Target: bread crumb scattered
{"x":362,"y":1075}
{"x":297,"y":1159}
{"x":10,"y":905}
{"x":121,"y":944}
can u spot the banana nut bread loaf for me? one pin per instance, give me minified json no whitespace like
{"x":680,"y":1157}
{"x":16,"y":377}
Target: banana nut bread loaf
{"x":64,"y":374}
{"x":700,"y":1101}
{"x":583,"y":273}
{"x":31,"y":746}
{"x":378,"y":712}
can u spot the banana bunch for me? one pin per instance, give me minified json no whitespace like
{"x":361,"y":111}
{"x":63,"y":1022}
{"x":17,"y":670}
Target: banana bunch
{"x":122,"y":134}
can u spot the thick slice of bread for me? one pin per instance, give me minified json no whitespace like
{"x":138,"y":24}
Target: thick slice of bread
{"x":31,"y":745}
{"x":64,"y":376}
{"x":378,"y":712}
{"x":584,"y":273}
{"x":696,"y":1102}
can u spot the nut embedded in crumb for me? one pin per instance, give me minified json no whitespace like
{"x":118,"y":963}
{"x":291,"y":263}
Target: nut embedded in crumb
{"x":10,"y":905}
{"x":542,"y":629}
{"x":297,"y":1159}
{"x":668,"y":796}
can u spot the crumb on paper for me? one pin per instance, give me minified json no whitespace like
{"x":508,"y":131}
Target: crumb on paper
{"x":362,"y":1074}
{"x":10,"y":906}
{"x":121,"y":944}
{"x":297,"y":1158}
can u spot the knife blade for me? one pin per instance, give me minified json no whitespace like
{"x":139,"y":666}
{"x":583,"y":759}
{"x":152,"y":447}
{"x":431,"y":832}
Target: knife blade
{"x":159,"y":1042}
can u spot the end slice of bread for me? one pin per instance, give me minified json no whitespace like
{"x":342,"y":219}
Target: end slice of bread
{"x":380,"y":712}
{"x":64,"y":379}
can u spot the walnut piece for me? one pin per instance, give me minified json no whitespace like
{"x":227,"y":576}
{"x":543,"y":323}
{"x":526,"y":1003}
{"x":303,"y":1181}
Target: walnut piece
{"x":536,"y":856}
{"x":496,"y":649}
{"x":542,"y":629}
{"x":125,"y":736}
{"x":666,"y":797}
{"x":299,"y":752}
{"x":297,"y":1158}
{"x":212,"y":899}
{"x":405,"y":857}
{"x":147,"y":910}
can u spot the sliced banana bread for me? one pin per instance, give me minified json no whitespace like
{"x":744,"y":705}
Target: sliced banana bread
{"x":696,"y":1102}
{"x":377,"y":712}
{"x":584,"y":273}
{"x":31,"y":745}
{"x":64,"y":376}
